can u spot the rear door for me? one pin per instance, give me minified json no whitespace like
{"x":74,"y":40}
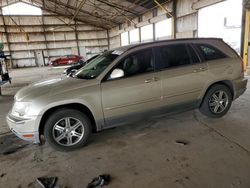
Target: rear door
{"x":182,"y":72}
{"x":138,"y":92}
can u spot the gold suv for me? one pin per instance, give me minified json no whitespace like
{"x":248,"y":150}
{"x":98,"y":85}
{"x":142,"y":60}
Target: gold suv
{"x":126,"y":84}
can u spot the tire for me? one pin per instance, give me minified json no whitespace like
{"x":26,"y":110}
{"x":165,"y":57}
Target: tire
{"x":211,"y":104}
{"x":67,"y":129}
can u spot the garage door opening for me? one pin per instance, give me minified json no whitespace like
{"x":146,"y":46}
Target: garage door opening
{"x":222,"y":20}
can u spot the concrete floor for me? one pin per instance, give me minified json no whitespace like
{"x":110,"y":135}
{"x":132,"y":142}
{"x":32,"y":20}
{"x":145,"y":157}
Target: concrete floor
{"x":216,"y":152}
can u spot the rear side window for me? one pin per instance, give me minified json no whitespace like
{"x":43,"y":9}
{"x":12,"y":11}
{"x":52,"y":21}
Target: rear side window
{"x":172,"y":56}
{"x":209,"y":52}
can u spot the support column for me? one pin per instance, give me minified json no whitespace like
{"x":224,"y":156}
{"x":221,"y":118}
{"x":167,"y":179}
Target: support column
{"x":129,"y":37}
{"x":245,"y":38}
{"x":153,"y":31}
{"x":45,"y":40}
{"x":108,"y":39}
{"x":140,"y":34}
{"x":174,"y":19}
{"x":7,"y":38}
{"x":76,"y":36}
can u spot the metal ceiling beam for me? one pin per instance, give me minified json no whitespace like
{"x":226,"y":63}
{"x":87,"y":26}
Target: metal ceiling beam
{"x":86,"y":12}
{"x":118,"y":7}
{"x":8,"y":4}
{"x":55,"y":6}
{"x":77,"y":19}
{"x":164,"y":8}
{"x":125,"y":16}
{"x":64,"y":6}
{"x":66,"y":10}
{"x":77,"y":10}
{"x":136,"y":3}
{"x":111,"y":14}
{"x":67,"y":16}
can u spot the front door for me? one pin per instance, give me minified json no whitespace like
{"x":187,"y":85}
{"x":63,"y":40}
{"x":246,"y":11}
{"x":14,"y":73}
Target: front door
{"x":138,"y":92}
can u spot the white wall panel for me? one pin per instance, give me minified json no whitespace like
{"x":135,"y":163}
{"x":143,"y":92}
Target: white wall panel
{"x":187,"y":23}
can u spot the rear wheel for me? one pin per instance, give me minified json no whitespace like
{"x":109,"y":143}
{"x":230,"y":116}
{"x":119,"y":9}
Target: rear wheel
{"x":67,"y":129}
{"x":217,"y":101}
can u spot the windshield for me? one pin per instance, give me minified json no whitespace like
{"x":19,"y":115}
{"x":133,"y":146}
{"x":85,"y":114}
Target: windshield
{"x":96,"y":66}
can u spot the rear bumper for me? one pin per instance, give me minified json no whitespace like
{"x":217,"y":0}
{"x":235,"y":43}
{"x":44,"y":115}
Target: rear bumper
{"x":240,"y":87}
{"x":239,"y":93}
{"x":23,"y":128}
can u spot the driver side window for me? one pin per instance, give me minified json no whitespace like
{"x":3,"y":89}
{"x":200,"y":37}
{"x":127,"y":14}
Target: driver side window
{"x":137,"y":63}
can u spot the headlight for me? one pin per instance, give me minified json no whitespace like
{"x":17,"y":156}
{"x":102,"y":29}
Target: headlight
{"x":20,"y":108}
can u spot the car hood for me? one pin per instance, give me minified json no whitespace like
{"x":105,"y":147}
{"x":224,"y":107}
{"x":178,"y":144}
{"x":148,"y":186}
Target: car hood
{"x":49,"y":87}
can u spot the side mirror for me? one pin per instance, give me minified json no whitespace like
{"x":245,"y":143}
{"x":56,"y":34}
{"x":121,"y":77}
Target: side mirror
{"x":116,"y":73}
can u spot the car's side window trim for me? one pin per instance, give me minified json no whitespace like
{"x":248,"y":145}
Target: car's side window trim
{"x":198,"y":51}
{"x":191,"y":47}
{"x":105,"y":78}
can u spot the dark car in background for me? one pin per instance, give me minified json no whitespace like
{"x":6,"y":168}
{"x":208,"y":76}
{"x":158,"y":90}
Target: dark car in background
{"x":66,"y":60}
{"x":76,"y":66}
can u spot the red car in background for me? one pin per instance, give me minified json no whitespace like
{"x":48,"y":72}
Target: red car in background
{"x":65,"y":60}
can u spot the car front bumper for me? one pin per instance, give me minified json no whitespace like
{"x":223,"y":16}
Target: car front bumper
{"x":24,"y":128}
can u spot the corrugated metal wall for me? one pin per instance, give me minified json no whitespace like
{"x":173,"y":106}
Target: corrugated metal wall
{"x":50,"y":35}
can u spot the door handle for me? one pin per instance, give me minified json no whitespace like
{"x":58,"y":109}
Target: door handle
{"x":154,"y":79}
{"x":200,"y":69}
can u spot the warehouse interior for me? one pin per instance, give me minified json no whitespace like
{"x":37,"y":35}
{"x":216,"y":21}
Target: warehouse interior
{"x":88,"y":28}
{"x":176,"y":150}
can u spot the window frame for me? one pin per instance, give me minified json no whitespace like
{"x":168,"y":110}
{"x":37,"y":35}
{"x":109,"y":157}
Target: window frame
{"x":190,"y":46}
{"x":105,"y":78}
{"x":175,"y":67}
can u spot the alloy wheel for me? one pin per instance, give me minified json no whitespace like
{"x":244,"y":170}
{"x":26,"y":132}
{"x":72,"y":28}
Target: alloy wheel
{"x":218,"y":101}
{"x":68,"y":131}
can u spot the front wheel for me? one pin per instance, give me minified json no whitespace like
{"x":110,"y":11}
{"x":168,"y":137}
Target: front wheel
{"x":217,"y":101}
{"x":67,"y":129}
